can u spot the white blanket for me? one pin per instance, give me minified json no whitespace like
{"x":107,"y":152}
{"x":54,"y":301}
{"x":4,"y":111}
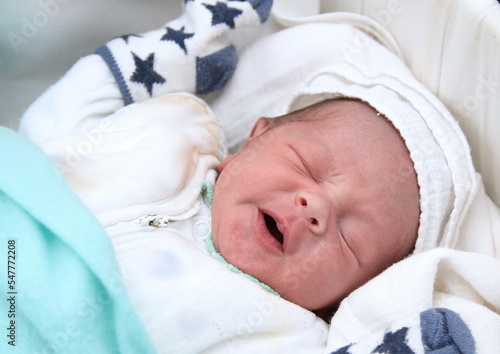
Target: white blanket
{"x":466,"y":283}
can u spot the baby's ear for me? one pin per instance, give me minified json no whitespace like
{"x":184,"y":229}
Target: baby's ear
{"x":259,"y":127}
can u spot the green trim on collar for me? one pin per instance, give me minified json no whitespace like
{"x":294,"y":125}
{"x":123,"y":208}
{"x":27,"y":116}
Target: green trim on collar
{"x":221,"y":259}
{"x":208,"y":188}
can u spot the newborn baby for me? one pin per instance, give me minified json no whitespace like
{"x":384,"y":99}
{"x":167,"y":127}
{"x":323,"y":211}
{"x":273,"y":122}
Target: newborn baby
{"x":313,"y":205}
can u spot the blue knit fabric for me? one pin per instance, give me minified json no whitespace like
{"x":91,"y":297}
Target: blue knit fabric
{"x":441,"y":331}
{"x":263,"y":8}
{"x":106,"y":54}
{"x":215,"y":70}
{"x":444,"y":332}
{"x":343,"y":350}
{"x":395,"y":343}
{"x":66,"y":293}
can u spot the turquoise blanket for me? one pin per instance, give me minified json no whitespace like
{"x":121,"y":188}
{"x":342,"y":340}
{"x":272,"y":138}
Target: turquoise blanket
{"x":60,"y":285}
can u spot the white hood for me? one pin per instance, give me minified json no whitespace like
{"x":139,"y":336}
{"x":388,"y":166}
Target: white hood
{"x":437,"y":146}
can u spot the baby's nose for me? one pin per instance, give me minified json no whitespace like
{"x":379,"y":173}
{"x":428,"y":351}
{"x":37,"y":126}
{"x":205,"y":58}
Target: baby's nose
{"x":315,"y":209}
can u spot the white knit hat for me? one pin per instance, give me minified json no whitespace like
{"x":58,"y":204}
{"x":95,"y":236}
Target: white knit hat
{"x":437,"y":146}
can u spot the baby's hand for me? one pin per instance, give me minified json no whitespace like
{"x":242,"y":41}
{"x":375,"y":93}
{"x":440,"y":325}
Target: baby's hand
{"x":192,"y":53}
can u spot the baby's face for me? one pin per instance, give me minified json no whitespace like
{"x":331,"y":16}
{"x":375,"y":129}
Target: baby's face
{"x":316,"y":210}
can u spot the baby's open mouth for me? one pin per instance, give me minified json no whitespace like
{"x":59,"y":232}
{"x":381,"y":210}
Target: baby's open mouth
{"x":273,"y":228}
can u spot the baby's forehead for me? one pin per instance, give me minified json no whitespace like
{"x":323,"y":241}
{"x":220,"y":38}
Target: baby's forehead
{"x":354,"y":119}
{"x":349,"y":130}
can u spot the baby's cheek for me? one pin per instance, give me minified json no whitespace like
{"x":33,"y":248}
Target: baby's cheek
{"x":310,"y":283}
{"x":231,"y":173}
{"x":223,"y":182}
{"x":291,"y":283}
